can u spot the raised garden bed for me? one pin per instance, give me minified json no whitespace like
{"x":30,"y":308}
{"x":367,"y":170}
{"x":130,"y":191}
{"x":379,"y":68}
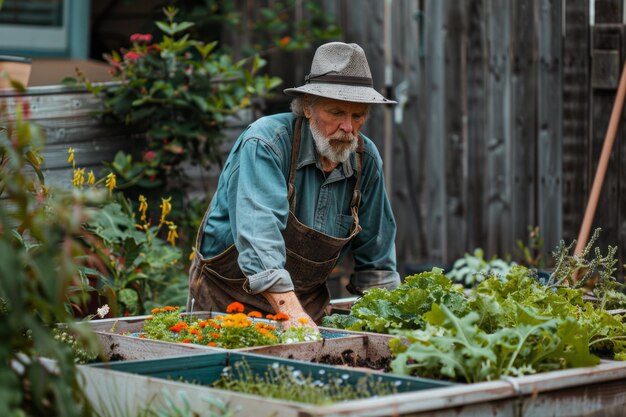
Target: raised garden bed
{"x":132,"y":384}
{"x":339,"y":347}
{"x":593,"y":391}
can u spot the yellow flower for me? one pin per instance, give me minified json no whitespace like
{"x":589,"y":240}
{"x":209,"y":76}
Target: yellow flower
{"x":143,"y":207}
{"x":192,"y":254}
{"x":91,"y":179}
{"x":70,"y":158}
{"x":166,"y":208}
{"x":111,"y":182}
{"x":79,"y":177}
{"x":303,"y":320}
{"x":172,"y":234}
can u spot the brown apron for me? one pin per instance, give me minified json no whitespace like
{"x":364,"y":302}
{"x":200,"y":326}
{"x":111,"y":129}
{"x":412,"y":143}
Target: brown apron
{"x":310,"y":257}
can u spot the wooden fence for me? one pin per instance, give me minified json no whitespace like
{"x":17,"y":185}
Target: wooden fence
{"x":504,"y":110}
{"x":502,"y":115}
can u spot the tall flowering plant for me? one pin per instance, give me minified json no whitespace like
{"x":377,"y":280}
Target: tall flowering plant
{"x":136,"y":257}
{"x":232,"y":330}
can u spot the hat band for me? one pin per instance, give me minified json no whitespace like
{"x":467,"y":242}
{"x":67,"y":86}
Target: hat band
{"x":338,"y":79}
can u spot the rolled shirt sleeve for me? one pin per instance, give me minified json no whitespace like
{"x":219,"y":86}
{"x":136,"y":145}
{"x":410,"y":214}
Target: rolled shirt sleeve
{"x":364,"y":280}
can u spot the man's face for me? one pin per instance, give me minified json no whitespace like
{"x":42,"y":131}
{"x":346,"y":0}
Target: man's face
{"x":335,"y":127}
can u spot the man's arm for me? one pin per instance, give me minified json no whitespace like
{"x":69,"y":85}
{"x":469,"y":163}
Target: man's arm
{"x":288,"y":303}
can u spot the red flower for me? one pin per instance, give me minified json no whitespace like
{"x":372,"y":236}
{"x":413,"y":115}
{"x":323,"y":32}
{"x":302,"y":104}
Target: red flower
{"x":131,"y":56}
{"x":284,"y":41}
{"x":139,"y":37}
{"x":186,"y":341}
{"x":255,"y":314}
{"x":235,"y":307}
{"x":149,"y":156}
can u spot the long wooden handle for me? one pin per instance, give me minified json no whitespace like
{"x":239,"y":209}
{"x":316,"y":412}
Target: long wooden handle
{"x":607,"y":148}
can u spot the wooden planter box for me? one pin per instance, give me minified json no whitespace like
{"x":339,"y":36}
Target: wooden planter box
{"x":131,"y":385}
{"x":594,"y":391}
{"x":338,"y":347}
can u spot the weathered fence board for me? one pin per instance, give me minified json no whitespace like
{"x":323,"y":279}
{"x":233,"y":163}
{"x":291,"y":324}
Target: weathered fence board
{"x":549,"y":135}
{"x":575,"y":116}
{"x":607,"y":54}
{"x":504,"y":119}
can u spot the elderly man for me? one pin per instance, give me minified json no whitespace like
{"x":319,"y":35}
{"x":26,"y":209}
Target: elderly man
{"x":298,"y":191}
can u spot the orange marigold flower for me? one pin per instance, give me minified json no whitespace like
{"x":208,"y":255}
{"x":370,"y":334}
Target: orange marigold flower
{"x":215,"y":335}
{"x":179,"y":326}
{"x":235,"y":307}
{"x":170,"y":308}
{"x":284,"y":41}
{"x":193,"y":331}
{"x":303,"y":320}
{"x":186,"y":341}
{"x":215,"y":325}
{"x":255,"y":314}
{"x":281,"y":317}
{"x":212,"y":344}
{"x":199,"y":338}
{"x":149,"y":318}
{"x":270,"y":317}
{"x":203,"y":324}
{"x":155,"y":310}
{"x":142,"y":336}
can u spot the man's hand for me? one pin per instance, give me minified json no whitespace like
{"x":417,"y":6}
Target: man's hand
{"x":288,"y":303}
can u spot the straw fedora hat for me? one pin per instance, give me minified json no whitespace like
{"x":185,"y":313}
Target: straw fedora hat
{"x":340,"y":71}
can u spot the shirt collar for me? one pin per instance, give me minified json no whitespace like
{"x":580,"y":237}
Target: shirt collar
{"x":308,"y":152}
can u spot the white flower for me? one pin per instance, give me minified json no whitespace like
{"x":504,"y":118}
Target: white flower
{"x":103,"y":311}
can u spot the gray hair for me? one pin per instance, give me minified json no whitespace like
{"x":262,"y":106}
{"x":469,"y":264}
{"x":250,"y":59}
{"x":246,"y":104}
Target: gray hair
{"x":298,"y":103}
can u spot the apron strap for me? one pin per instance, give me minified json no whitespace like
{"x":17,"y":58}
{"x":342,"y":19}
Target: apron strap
{"x":295,"y":152}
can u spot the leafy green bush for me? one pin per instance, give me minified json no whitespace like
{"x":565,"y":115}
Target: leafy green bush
{"x":38,"y":250}
{"x":179,"y":91}
{"x":506,"y":325}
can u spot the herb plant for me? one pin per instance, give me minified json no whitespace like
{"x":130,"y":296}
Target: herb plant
{"x":285,"y":382}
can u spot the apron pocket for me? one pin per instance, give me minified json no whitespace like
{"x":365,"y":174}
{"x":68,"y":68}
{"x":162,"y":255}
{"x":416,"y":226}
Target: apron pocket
{"x":306,"y":274}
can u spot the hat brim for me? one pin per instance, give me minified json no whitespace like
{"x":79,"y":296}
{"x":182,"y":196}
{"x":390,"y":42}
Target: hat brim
{"x":353,"y":93}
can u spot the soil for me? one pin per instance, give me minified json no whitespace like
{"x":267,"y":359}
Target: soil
{"x":349,"y":358}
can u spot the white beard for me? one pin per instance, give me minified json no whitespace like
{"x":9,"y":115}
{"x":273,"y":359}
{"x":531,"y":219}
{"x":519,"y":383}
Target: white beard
{"x":330,"y":147}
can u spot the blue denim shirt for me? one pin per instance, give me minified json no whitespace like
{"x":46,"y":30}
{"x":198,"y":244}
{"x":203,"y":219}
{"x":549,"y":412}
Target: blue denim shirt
{"x":250,"y":207}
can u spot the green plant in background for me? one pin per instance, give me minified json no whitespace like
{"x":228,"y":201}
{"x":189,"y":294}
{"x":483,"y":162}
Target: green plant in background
{"x":180,"y":91}
{"x":472,"y":269}
{"x":177,"y":94}
{"x":274,"y":28}
{"x":133,"y":265}
{"x":531,"y":254}
{"x":38,"y":250}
